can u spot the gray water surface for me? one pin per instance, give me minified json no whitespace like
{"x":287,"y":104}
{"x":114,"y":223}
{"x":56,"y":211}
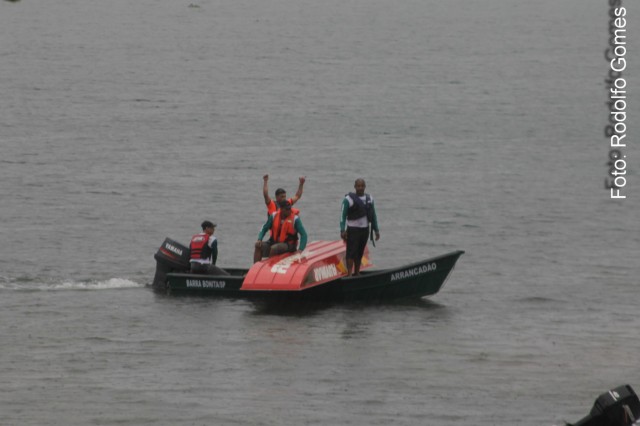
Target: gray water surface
{"x":477,"y":125}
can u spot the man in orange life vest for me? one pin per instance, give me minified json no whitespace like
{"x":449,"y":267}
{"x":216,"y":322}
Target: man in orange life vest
{"x":281,"y":195}
{"x":285,"y":227}
{"x":204,"y":251}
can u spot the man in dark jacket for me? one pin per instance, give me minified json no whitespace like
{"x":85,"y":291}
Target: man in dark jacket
{"x":358,"y":213}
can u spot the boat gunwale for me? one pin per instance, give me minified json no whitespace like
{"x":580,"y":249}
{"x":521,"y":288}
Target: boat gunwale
{"x":377,"y":272}
{"x":365,"y":274}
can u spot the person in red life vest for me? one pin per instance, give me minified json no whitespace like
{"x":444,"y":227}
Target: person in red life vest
{"x":204,"y":251}
{"x":281,"y":195}
{"x":358,"y":213}
{"x":285,"y":228}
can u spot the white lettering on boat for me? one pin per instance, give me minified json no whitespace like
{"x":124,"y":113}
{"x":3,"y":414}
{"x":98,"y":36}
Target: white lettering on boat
{"x":173,"y":249}
{"x":283,"y":266}
{"x":324,"y":272}
{"x":418,"y":270}
{"x":205,"y":284}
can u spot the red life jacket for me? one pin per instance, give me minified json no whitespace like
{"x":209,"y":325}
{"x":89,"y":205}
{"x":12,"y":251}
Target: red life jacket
{"x":200,"y":246}
{"x":284,"y":232}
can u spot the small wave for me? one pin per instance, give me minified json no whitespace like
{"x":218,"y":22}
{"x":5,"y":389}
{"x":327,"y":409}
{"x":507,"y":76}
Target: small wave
{"x":110,"y":284}
{"x":537,"y":299}
{"x":97,"y":285}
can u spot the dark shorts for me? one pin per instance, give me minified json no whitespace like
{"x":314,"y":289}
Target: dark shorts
{"x":278,"y":248}
{"x":356,"y":242}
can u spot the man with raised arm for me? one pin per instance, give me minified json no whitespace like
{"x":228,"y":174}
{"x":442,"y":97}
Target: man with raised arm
{"x":281,"y":195}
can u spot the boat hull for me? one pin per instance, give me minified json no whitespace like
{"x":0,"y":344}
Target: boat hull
{"x":416,"y":280}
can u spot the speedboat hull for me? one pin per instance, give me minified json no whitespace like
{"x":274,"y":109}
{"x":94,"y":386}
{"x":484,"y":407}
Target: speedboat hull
{"x":316,"y":274}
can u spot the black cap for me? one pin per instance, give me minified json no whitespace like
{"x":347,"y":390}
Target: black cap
{"x":284,"y":204}
{"x":207,"y":224}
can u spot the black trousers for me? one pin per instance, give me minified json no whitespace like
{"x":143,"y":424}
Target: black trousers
{"x":356,"y":242}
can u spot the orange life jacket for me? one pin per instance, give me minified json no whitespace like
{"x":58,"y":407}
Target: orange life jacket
{"x":284,"y":232}
{"x":272,"y":207}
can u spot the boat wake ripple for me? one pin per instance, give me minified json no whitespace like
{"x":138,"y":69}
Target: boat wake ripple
{"x":112,"y":283}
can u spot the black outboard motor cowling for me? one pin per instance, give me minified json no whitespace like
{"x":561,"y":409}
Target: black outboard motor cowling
{"x":618,"y":407}
{"x":170,"y":257}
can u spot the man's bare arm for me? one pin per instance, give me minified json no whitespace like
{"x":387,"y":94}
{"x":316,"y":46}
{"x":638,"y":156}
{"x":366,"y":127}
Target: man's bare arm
{"x":265,"y":189}
{"x":300,"y":189}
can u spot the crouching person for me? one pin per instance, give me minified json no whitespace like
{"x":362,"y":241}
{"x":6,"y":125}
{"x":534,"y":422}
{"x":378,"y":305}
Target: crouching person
{"x":285,"y":228}
{"x":204,"y":251}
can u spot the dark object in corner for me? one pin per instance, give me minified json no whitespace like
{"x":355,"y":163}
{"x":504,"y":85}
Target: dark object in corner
{"x":618,"y":407}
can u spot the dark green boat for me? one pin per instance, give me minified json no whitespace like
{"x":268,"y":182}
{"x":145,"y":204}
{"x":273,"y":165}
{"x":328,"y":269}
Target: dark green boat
{"x":316,"y":274}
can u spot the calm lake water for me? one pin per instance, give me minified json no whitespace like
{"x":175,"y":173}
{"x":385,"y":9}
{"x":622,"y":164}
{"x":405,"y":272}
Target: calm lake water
{"x":477,"y":125}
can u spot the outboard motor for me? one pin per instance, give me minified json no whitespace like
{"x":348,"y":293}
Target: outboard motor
{"x":170,"y":257}
{"x":618,"y":407}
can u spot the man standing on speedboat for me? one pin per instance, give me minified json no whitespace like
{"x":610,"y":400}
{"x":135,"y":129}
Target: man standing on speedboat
{"x":358,"y":213}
